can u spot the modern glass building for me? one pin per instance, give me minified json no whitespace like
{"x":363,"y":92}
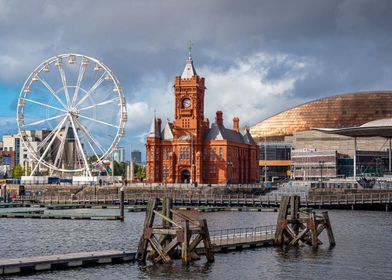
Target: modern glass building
{"x":274,"y":160}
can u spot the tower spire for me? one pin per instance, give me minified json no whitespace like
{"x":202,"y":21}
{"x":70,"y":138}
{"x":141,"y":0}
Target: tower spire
{"x":189,"y":70}
{"x":190,"y":50}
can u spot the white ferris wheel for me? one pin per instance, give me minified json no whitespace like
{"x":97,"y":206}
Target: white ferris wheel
{"x":71,"y":114}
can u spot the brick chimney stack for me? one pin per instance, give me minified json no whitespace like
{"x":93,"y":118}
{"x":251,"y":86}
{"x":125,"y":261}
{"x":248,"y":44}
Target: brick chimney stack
{"x":207,"y":122}
{"x":159,"y":122}
{"x":219,"y":118}
{"x":236,"y":124}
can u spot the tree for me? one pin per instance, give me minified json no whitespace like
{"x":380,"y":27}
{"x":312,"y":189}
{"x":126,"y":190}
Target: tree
{"x":141,"y":172}
{"x":18,"y":171}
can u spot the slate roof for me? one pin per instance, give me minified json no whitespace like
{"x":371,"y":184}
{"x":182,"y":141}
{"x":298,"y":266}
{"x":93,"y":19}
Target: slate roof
{"x":219,"y":132}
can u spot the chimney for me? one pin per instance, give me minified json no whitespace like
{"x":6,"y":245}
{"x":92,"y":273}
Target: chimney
{"x":207,"y":122}
{"x":159,"y":122}
{"x":236,"y":124}
{"x":219,"y":118}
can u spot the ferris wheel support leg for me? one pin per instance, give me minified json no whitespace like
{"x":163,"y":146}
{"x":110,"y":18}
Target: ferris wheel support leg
{"x":80,"y":147}
{"x":50,"y":144}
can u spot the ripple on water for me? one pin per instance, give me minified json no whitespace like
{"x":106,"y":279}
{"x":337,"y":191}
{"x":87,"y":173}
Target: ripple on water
{"x":363,"y":248}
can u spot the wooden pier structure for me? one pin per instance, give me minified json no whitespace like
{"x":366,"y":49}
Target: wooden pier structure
{"x":185,"y":235}
{"x":353,"y":201}
{"x":296,"y":227}
{"x":179,"y":235}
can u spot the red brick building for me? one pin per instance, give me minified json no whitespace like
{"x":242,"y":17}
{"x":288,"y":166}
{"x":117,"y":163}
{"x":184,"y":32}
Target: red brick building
{"x":189,"y":149}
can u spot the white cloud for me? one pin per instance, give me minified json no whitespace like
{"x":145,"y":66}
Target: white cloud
{"x":244,"y":90}
{"x":138,"y":115}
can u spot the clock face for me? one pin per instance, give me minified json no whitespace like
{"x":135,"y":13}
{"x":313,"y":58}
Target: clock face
{"x":186,"y":103}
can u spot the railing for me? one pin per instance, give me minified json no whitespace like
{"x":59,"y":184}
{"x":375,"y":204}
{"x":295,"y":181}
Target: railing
{"x":235,"y":236}
{"x":317,"y":199}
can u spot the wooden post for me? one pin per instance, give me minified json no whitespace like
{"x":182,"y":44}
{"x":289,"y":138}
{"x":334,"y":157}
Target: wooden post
{"x":294,"y":208}
{"x":185,"y":244}
{"x":207,"y":241}
{"x":281,"y":222}
{"x":148,"y":222}
{"x":122,"y":216}
{"x":5,"y":194}
{"x":328,"y":227}
{"x":313,"y":229}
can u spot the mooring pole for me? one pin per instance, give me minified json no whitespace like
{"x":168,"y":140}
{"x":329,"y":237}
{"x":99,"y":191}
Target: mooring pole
{"x":122,"y":203}
{"x":5,"y":194}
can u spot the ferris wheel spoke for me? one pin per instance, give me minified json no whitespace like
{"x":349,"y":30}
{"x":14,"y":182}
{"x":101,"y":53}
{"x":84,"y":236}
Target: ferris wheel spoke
{"x":52,"y":91}
{"x":92,"y":89}
{"x":45,"y":105}
{"x":46,"y":139}
{"x":86,"y":136}
{"x":60,"y":151}
{"x":58,"y":128}
{"x":100,"y":104}
{"x":80,"y":146}
{"x":85,"y":130}
{"x":98,"y":121}
{"x":45,"y":120}
{"x":64,"y":81}
{"x":82,"y":69}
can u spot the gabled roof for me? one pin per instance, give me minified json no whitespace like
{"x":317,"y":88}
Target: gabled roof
{"x":213,"y":133}
{"x":248,"y":139}
{"x":219,"y":132}
{"x":167,"y":132}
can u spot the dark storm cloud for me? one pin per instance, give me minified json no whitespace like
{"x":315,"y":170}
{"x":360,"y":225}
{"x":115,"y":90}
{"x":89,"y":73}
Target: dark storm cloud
{"x":350,"y":39}
{"x":344,"y":45}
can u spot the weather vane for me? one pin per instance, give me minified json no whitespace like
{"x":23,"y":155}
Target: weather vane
{"x":190,"y":48}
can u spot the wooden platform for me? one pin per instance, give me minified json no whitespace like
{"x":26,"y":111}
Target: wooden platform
{"x":222,"y":241}
{"x":34,"y":264}
{"x":61,"y":216}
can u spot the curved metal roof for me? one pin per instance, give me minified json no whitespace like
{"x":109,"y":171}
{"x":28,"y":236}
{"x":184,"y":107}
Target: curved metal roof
{"x":377,"y":128}
{"x":341,"y":111}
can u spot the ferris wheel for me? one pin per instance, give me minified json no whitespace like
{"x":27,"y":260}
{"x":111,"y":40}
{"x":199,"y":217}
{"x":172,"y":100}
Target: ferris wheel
{"x":71,"y":114}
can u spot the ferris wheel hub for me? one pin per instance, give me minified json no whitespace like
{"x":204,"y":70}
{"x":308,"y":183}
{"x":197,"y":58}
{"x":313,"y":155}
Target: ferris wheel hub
{"x":73,"y":111}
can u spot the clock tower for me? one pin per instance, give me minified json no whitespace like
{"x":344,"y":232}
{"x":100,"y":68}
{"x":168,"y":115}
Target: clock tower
{"x":189,"y":103}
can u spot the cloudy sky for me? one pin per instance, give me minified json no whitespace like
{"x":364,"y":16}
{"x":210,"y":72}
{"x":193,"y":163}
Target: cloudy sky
{"x":258,"y":57}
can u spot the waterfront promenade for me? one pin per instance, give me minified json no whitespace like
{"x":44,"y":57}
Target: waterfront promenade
{"x":377,"y":200}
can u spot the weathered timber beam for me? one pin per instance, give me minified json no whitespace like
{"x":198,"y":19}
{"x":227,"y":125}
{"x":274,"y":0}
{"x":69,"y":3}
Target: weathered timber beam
{"x":299,"y":237}
{"x":195,"y":242}
{"x":167,"y":219}
{"x":165,"y":231}
{"x":185,"y":245}
{"x":291,"y":232}
{"x":158,"y":248}
{"x":208,"y":249}
{"x":148,"y":223}
{"x":320,"y":229}
{"x":168,"y":248}
{"x":185,"y":217}
{"x":331,"y":237}
{"x":313,"y":230}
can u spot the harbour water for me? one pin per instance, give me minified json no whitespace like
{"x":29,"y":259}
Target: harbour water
{"x":363,"y":251}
